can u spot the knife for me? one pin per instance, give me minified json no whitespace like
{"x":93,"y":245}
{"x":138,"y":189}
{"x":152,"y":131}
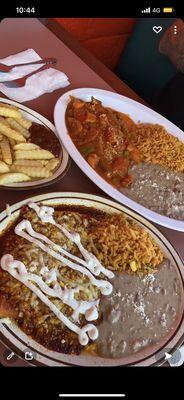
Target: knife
{"x":46,"y":61}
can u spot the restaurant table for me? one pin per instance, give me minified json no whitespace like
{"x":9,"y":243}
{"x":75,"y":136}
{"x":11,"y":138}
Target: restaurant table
{"x":49,"y":39}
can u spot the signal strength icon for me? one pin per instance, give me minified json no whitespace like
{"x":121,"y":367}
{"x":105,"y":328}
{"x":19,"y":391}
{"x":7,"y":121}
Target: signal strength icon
{"x":146,"y":11}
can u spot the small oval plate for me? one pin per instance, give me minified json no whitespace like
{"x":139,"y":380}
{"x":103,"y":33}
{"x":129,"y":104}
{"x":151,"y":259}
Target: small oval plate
{"x":65,"y":161}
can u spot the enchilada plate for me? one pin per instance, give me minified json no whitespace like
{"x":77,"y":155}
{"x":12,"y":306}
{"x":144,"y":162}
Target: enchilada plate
{"x":16,"y":339}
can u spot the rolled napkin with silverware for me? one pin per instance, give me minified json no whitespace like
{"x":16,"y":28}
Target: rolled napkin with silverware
{"x":42,"y":81}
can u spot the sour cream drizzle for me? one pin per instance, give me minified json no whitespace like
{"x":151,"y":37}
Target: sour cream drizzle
{"x":88,"y":308}
{"x":92,"y":263}
{"x":90,"y":266}
{"x":18,"y":270}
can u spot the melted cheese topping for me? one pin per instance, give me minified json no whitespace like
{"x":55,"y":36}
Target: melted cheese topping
{"x":18,"y":270}
{"x":90,"y":266}
{"x":105,"y":287}
{"x":92,"y":263}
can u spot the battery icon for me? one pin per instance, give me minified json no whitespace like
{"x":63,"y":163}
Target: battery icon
{"x":168,"y":9}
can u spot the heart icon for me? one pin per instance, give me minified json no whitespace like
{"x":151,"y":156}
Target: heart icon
{"x":157,"y":29}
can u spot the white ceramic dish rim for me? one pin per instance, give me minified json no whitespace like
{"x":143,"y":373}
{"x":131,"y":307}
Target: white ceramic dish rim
{"x":112,"y":99}
{"x":65,"y":157}
{"x":46,"y":357}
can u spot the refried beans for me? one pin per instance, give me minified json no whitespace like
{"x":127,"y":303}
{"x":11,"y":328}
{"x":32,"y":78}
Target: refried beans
{"x":140,"y":312}
{"x":158,"y":189}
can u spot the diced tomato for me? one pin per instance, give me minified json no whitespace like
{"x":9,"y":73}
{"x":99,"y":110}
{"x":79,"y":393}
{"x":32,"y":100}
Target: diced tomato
{"x":93,"y":132}
{"x":90,"y":117}
{"x":136,"y":156}
{"x":129,"y":123}
{"x":116,"y":182}
{"x":126,"y":181}
{"x":78,"y":104}
{"x":81,"y":115}
{"x":93,"y":160}
{"x":120,"y":166}
{"x":134,"y":153}
{"x":110,"y":136}
{"x":100,"y":146}
{"x":74,"y":125}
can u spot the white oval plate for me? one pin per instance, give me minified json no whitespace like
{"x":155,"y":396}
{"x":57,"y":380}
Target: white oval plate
{"x":137,"y":112}
{"x":18,"y":341}
{"x":36,"y":117}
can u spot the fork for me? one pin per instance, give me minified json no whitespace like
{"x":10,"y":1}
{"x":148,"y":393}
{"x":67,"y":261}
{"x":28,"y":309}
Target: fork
{"x":20,"y":82}
{"x":8,"y":68}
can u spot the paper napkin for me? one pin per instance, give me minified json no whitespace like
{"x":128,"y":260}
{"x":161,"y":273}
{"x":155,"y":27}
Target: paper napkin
{"x":45,"y":81}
